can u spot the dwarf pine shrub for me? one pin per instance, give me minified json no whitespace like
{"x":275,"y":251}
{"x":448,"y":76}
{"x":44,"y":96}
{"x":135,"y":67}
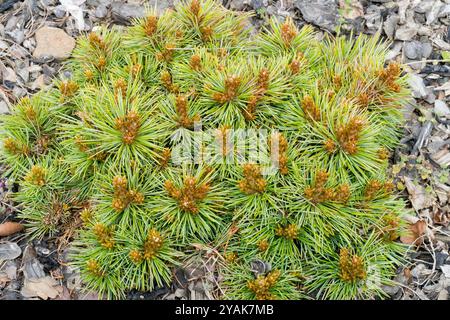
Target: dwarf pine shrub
{"x":188,"y":128}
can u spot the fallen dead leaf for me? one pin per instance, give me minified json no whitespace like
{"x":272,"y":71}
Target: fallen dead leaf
{"x":418,"y":196}
{"x":440,"y":217}
{"x":9,"y":250}
{"x":415,"y":233}
{"x":9,"y":228}
{"x":44,"y":288}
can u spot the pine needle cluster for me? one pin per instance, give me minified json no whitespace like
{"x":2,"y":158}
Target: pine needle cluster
{"x":270,"y":147}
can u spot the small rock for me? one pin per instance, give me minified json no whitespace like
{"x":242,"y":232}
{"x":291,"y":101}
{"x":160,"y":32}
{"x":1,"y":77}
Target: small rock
{"x":22,"y":71}
{"x":101,"y":12}
{"x":417,"y":86}
{"x":3,"y":107}
{"x":441,"y":44}
{"x":427,"y":49}
{"x":29,"y":44}
{"x":60,"y":12}
{"x":180,"y":293}
{"x":413,"y":50}
{"x":373,"y":19}
{"x":405,"y":33}
{"x":40,"y":82}
{"x":9,"y":250}
{"x":3,"y":45}
{"x":127,"y":11}
{"x":402,"y":6}
{"x":443,"y":295}
{"x":8,"y":74}
{"x":257,"y":4}
{"x":48,"y":71}
{"x":390,"y":25}
{"x":351,"y":9}
{"x":237,"y":5}
{"x":53,"y":42}
{"x":391,"y":290}
{"x":12,"y":23}
{"x":19,"y":92}
{"x":323,"y":13}
{"x":434,"y":12}
{"x":420,"y":271}
{"x":17,"y":35}
{"x":430,"y":98}
{"x":441,"y":109}
{"x":395,"y":51}
{"x":446,"y":270}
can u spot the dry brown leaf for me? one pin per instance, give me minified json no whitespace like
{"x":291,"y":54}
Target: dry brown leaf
{"x":415,"y":233}
{"x":9,"y":228}
{"x":418,"y":196}
{"x":439,"y":217}
{"x":43,"y":288}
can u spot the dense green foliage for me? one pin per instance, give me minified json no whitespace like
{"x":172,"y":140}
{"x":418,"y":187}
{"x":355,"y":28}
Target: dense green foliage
{"x":304,"y":189}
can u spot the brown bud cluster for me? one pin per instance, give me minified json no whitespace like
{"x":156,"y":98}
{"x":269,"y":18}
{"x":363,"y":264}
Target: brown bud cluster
{"x":231,"y":257}
{"x":206,"y":32}
{"x":262,"y":284}
{"x":310,"y":108}
{"x":383,"y":153}
{"x":67,"y":89}
{"x":195,"y":62}
{"x":93,"y":267}
{"x":88,"y":74}
{"x":105,"y":235}
{"x":389,"y":75}
{"x":337,"y":82}
{"x":348,"y":135}
{"x":166,"y":79}
{"x":288,"y":31}
{"x":97,"y":42}
{"x":318,"y":192}
{"x":165,"y":157}
{"x":390,"y":229}
{"x":223,"y":138}
{"x":181,"y":104}
{"x":150,"y":25}
{"x":101,"y":63}
{"x":253,"y":181}
{"x":195,"y":7}
{"x":136,"y":256}
{"x":262,"y":85}
{"x":36,"y":176}
{"x":263,"y":245}
{"x":282,"y":152}
{"x":232,"y":84}
{"x":289,"y":232}
{"x":86,"y":216}
{"x":129,"y":126}
{"x":14,"y":147}
{"x":363,"y":99}
{"x":351,"y":266}
{"x":120,"y":88}
{"x":152,"y":244}
{"x":122,"y":196}
{"x":189,"y":195}
{"x":375,"y":187}
{"x":167,"y":53}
